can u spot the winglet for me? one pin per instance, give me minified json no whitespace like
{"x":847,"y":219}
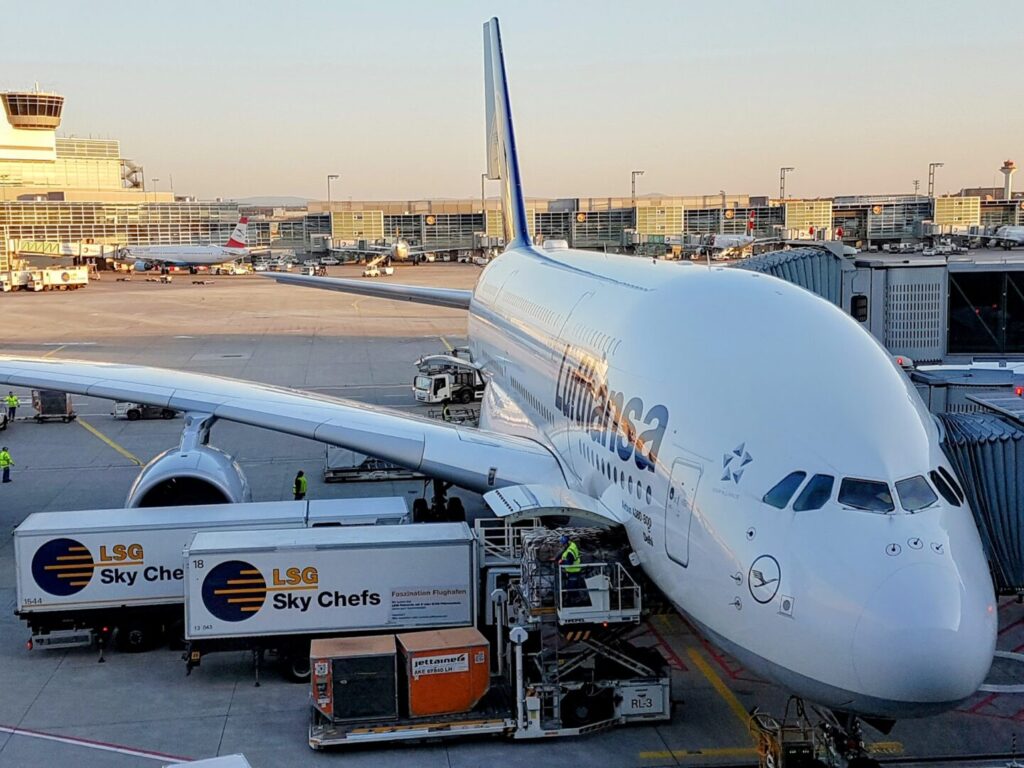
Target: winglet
{"x":502,"y":160}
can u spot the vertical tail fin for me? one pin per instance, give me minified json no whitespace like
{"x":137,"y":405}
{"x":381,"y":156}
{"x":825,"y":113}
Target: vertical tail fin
{"x":502,"y":160}
{"x":239,"y":237}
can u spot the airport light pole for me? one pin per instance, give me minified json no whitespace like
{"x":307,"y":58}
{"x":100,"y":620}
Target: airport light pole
{"x":155,"y":180}
{"x":721,"y":215}
{"x":931,"y":177}
{"x":632,"y":181}
{"x":782,"y":180}
{"x":330,"y":177}
{"x":917,"y":186}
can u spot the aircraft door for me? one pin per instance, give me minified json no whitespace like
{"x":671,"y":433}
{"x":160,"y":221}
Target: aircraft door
{"x":682,"y":492}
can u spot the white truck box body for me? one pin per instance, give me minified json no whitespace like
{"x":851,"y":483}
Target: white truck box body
{"x":119,"y":557}
{"x":317,"y":580}
{"x":381,"y":510}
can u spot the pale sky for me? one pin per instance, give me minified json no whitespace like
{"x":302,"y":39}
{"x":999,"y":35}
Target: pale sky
{"x":267,"y":98}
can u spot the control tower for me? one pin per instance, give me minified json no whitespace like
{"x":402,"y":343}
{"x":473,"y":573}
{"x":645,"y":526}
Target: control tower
{"x":1009,"y":168}
{"x":33,"y":110}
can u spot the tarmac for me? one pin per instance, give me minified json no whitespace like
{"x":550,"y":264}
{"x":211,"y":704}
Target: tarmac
{"x":64,"y":708}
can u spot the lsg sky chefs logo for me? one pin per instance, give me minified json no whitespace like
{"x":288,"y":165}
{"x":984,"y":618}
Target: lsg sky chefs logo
{"x":64,"y":567}
{"x":235,"y":590}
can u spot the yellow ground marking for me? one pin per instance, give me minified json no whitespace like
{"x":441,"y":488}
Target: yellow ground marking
{"x":448,"y":346}
{"x":54,"y":351}
{"x":886,"y":748}
{"x":683,"y":754}
{"x":123,"y":451}
{"x":718,"y":685}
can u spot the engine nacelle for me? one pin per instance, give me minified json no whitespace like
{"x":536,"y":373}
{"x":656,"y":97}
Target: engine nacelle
{"x":142,"y":266}
{"x":200,"y":474}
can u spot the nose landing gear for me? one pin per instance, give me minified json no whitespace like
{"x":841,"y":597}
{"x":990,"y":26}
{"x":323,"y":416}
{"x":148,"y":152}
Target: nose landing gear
{"x":836,"y":741}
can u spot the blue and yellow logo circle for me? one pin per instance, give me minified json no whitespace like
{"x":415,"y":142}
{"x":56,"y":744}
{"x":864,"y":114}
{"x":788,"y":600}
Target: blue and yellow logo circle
{"x":234,"y":591}
{"x":62,"y":567}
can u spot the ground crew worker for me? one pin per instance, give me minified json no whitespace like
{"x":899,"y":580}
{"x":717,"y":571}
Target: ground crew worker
{"x":12,"y":405}
{"x":6,"y":462}
{"x":300,"y":486}
{"x":446,"y":412}
{"x":570,"y":562}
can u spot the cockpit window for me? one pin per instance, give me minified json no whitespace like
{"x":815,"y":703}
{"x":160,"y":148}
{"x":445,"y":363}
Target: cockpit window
{"x":952,"y":483}
{"x":815,"y":494}
{"x":915,"y":493}
{"x":869,"y":495}
{"x":944,"y":488}
{"x":780,"y":495}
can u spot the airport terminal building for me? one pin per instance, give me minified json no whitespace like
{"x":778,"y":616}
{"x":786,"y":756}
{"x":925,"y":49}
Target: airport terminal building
{"x":80,"y":192}
{"x":83,"y":192}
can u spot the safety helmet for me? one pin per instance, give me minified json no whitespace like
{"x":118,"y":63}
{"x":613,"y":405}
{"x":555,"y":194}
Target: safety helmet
{"x":563,"y":539}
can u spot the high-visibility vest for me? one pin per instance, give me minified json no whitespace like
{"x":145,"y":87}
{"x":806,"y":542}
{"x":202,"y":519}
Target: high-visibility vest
{"x":571,"y":558}
{"x":300,"y":484}
{"x":12,"y":401}
{"x":5,"y":459}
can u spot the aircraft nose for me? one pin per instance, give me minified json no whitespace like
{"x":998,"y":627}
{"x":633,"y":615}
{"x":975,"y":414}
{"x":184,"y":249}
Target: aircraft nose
{"x":926,"y":638}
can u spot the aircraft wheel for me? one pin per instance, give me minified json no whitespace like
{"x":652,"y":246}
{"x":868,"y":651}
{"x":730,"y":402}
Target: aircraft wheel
{"x":419,"y":510}
{"x":456,"y":512}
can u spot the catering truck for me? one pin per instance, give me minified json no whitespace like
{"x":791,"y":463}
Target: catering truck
{"x":95,"y":574}
{"x":276,"y":589}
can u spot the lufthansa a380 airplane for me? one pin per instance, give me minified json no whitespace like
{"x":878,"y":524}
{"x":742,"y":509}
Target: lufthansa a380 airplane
{"x":776,"y":473}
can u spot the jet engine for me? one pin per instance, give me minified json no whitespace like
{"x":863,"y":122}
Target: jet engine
{"x":141,"y":266}
{"x":192,"y":473}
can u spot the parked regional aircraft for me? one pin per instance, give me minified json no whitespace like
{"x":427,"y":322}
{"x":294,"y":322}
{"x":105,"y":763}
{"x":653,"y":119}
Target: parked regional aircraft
{"x":776,"y":473}
{"x":148,"y":256}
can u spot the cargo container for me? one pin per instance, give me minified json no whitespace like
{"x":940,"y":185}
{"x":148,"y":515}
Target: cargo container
{"x":275,"y":590}
{"x":355,"y":678}
{"x":445,"y":671}
{"x":81,"y":571}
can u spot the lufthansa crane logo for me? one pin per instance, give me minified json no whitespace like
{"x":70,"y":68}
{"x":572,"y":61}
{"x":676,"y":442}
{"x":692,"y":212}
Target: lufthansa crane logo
{"x":234,"y":590}
{"x":764,"y":579}
{"x":63,"y":567}
{"x":735,"y":463}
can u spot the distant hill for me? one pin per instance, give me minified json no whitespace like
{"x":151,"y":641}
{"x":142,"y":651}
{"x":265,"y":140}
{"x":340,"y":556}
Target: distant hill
{"x":272,"y":200}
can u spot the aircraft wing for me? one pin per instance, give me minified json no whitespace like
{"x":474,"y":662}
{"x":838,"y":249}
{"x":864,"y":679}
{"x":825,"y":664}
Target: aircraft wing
{"x":419,"y":294}
{"x":471,"y":458}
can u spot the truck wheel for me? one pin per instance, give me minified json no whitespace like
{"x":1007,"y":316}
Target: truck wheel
{"x":137,"y":636}
{"x":167,"y":414}
{"x":133,"y":415}
{"x":296,"y":669}
{"x":465,"y":396}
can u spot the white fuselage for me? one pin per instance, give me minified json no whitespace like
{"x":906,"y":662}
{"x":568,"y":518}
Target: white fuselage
{"x":678,"y":395}
{"x":187,"y":255}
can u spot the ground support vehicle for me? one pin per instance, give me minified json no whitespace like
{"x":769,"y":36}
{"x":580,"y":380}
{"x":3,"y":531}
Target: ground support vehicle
{"x":447,"y":378}
{"x":91,"y":574}
{"x":275,"y":590}
{"x":52,"y":406}
{"x":136,"y":411}
{"x":345,"y":466}
{"x":562,"y":663}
